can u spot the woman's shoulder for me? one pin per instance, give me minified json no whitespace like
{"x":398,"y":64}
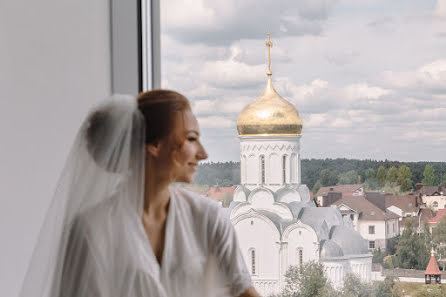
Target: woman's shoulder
{"x":94,"y":217}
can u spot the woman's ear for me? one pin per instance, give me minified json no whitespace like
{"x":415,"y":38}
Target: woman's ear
{"x":153,"y":149}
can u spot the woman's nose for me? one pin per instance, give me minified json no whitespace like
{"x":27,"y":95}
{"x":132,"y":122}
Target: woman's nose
{"x":202,"y":155}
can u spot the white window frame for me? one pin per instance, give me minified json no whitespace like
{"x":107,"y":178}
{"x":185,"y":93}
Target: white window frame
{"x":135,"y":46}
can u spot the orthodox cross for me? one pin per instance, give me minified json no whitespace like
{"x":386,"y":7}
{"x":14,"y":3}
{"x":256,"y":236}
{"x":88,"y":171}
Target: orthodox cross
{"x":269,"y":44}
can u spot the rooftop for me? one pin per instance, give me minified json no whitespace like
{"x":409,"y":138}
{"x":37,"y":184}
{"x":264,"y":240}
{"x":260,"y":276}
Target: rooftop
{"x":345,"y":189}
{"x":366,"y":209}
{"x":436,"y":219}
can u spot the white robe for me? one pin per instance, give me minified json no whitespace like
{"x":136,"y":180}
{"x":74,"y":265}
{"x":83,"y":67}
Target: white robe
{"x":201,"y":254}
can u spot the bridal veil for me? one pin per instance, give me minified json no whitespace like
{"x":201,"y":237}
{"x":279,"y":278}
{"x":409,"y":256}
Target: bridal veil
{"x":90,"y":241}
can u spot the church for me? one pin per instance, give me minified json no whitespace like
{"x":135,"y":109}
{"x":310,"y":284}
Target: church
{"x":276,"y":222}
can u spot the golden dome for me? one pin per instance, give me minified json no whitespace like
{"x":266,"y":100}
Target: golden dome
{"x":269,"y":114}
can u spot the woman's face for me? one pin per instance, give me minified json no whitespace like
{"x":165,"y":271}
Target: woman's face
{"x":191,"y":152}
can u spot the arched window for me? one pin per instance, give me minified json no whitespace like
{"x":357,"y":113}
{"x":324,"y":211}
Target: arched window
{"x":435,"y":204}
{"x":300,"y":257}
{"x":262,"y":169}
{"x":284,"y":169}
{"x":253,"y":262}
{"x":293,"y":177}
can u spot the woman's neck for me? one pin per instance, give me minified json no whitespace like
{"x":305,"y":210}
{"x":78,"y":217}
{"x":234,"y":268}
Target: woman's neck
{"x":156,"y":193}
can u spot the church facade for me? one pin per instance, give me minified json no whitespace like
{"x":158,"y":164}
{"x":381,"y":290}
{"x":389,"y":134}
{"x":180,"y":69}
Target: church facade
{"x":276,"y":222}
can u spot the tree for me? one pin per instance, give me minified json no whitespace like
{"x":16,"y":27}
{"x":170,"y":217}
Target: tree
{"x":354,"y":287}
{"x":404,"y":179}
{"x":316,"y":187}
{"x":412,"y":251}
{"x":385,"y":288}
{"x":328,"y":177}
{"x":350,"y":177}
{"x":381,"y":176}
{"x":439,"y":237}
{"x":377,"y":256}
{"x":392,"y":175}
{"x":309,"y":280}
{"x":428,"y":176}
{"x":370,"y":179}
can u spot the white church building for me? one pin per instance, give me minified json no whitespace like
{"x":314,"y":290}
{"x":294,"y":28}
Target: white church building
{"x":276,"y":222}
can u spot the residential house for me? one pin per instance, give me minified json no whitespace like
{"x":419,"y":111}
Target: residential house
{"x":375,"y":225}
{"x":435,"y":220}
{"x":433,"y":196}
{"x":221,"y":194}
{"x":328,"y":195}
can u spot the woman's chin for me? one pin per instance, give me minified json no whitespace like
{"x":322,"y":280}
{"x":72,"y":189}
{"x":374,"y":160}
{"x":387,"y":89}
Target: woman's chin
{"x":185,"y":179}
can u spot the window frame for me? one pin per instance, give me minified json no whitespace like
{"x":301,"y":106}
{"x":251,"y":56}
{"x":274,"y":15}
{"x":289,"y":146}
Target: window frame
{"x":135,"y":46}
{"x":253,"y":263}
{"x":262,"y":169}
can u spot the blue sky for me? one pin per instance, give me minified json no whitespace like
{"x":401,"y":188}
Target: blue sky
{"x":368,"y":77}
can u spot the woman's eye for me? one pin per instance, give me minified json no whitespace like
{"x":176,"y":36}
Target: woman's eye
{"x":192,"y":139}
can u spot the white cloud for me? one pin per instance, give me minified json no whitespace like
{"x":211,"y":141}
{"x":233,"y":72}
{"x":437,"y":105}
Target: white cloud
{"x":341,"y":58}
{"x":204,"y":107}
{"x":232,"y":74}
{"x":215,"y":122}
{"x":430,"y":76}
{"x":225,"y":21}
{"x":364,"y":91}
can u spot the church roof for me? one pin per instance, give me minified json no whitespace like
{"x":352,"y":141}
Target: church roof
{"x":432,"y":266}
{"x":330,"y":249}
{"x":269,"y":114}
{"x":349,"y":240}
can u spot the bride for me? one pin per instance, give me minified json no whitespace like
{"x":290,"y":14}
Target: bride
{"x":117,"y":227}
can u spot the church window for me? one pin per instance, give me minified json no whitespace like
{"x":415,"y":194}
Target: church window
{"x":262,"y":169}
{"x":435,"y":204}
{"x":372,"y":229}
{"x":252,"y":254}
{"x":252,"y":222}
{"x":293,"y":168}
{"x":371,"y":244}
{"x":300,"y":256}
{"x":284,"y":169}
{"x":394,"y":227}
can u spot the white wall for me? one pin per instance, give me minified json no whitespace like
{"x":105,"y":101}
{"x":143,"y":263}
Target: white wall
{"x":54,"y":64}
{"x":441,"y":201}
{"x":380,"y":229}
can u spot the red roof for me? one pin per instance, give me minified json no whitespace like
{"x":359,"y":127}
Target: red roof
{"x":346,"y":190}
{"x":218,"y":193}
{"x":432,"y":267}
{"x":436,"y":219}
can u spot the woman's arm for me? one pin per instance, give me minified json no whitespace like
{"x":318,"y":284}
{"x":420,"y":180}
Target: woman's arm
{"x":251,"y":292}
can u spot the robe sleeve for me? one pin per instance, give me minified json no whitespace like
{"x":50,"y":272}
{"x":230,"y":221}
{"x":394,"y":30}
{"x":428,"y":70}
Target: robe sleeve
{"x":81,"y":276}
{"x":224,"y":245}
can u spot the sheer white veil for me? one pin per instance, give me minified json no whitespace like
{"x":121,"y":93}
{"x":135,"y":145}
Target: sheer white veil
{"x":90,"y":242}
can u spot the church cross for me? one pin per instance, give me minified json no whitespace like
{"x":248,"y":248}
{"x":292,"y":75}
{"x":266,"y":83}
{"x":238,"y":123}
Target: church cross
{"x":269,"y":44}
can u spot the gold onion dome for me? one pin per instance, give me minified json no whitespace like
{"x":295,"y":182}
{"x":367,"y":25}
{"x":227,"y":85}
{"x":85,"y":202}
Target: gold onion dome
{"x":269,"y":114}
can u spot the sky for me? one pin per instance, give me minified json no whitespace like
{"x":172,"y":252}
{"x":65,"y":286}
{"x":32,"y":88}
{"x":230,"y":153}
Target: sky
{"x":368,"y":77}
